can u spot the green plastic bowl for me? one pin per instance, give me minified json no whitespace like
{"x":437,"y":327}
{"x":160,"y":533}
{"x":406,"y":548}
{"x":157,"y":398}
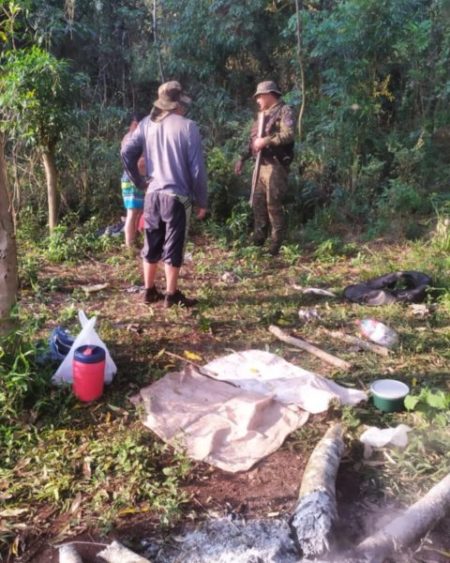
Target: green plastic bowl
{"x":388,"y":395}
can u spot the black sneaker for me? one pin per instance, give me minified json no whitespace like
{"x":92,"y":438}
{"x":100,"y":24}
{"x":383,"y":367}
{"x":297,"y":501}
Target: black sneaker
{"x":274,"y":248}
{"x":258,"y":241}
{"x":152,"y":295}
{"x":178,"y":298}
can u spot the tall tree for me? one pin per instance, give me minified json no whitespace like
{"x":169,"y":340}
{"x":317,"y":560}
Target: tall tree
{"x":36,"y":94}
{"x":8,"y":252}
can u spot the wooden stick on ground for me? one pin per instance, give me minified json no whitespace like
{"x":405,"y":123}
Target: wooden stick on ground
{"x":304,"y":345}
{"x":407,"y":528}
{"x":381,"y":350}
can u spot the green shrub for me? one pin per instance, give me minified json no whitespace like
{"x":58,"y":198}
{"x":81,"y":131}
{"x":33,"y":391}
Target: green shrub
{"x":400,"y":198}
{"x":22,"y":383}
{"x":222,"y":183}
{"x":64,"y":244}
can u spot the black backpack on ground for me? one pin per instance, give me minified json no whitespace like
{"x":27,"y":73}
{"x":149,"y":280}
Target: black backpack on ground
{"x":406,"y":287}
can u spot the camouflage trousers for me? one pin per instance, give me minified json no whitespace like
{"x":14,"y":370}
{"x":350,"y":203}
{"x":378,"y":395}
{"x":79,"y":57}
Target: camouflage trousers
{"x":268,"y":202}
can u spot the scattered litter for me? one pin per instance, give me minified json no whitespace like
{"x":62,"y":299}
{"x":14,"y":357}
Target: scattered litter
{"x":314,"y":290}
{"x":87,"y":336}
{"x":68,"y":554}
{"x":94,"y":288}
{"x":134,"y":289}
{"x":135,"y":327}
{"x":358,"y":343}
{"x":407,"y":287}
{"x":375,"y":437}
{"x":12,"y":512}
{"x":229,"y":277}
{"x":420,"y":310}
{"x":188,"y":257}
{"x":112,"y":230}
{"x":117,"y":553}
{"x":378,"y":332}
{"x":306,"y":315}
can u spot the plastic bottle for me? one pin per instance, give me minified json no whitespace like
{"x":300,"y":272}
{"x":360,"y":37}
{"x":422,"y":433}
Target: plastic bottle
{"x":378,"y":332}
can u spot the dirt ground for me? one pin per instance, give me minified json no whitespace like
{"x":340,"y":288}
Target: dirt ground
{"x":269,"y":490}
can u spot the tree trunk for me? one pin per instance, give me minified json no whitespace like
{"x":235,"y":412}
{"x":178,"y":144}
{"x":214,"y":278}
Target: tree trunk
{"x":301,"y":63}
{"x":8,"y":252}
{"x":156,"y":41}
{"x":51,"y":176}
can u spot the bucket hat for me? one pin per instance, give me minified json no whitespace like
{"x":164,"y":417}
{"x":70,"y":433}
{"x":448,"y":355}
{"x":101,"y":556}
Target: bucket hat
{"x":267,"y":87}
{"x":170,"y":95}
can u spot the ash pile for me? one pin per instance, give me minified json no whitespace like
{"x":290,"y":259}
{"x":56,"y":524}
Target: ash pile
{"x":228,"y":541}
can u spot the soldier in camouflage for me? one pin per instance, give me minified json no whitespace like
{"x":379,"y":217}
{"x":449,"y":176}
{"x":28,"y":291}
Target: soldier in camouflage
{"x":276,"y":146}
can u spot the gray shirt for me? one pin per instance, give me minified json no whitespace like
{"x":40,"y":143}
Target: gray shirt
{"x":173,"y":155}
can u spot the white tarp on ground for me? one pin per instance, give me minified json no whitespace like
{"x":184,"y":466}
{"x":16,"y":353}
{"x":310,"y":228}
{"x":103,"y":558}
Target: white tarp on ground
{"x":266,"y":373}
{"x":230,"y":426}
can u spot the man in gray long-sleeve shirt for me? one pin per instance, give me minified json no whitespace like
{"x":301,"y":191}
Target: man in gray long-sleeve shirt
{"x":172,"y":150}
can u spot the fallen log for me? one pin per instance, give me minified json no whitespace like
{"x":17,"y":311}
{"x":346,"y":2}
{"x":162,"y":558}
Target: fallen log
{"x":316,"y":513}
{"x":304,"y":345}
{"x":117,"y":553}
{"x":381,"y":350}
{"x":408,"y":528}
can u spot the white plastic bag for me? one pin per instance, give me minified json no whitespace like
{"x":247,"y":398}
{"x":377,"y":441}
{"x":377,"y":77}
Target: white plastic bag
{"x":87,"y":336}
{"x":117,"y":553}
{"x":375,"y":437}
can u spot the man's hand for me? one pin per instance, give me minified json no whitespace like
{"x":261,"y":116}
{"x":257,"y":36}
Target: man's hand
{"x":239,"y":164}
{"x":259,"y":143}
{"x":201,"y":213}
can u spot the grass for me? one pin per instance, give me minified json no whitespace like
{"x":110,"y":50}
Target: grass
{"x":98,"y":464}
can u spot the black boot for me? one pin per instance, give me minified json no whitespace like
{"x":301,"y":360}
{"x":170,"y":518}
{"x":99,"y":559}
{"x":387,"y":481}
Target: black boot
{"x":274,"y":247}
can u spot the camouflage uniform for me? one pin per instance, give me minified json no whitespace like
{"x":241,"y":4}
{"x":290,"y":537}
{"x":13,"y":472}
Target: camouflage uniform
{"x":271,"y":188}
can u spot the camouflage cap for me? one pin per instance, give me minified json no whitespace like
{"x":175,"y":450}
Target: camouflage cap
{"x":267,"y":87}
{"x":170,"y":96}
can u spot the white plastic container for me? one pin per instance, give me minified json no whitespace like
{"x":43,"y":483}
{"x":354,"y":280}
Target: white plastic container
{"x":378,"y":332}
{"x":388,"y":395}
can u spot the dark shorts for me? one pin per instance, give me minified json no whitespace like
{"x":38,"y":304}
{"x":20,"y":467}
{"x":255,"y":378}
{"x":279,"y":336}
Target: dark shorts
{"x":165,"y":222}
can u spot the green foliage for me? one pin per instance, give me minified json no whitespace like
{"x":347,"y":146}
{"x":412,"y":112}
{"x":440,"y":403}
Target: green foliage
{"x":417,"y":465}
{"x":435,"y":405}
{"x":66,"y":245}
{"x":402,"y":198}
{"x":36,"y":91}
{"x":238,"y":225}
{"x":89,"y":163}
{"x":222,"y":185}
{"x":327,"y":250}
{"x":377,"y":91}
{"x":22,"y":382}
{"x":441,"y":235}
